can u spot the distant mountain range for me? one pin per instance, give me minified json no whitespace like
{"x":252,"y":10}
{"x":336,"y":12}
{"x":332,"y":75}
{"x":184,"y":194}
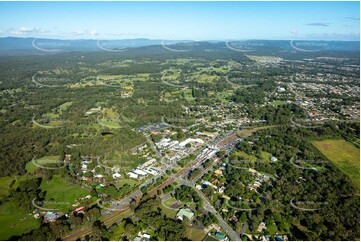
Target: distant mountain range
{"x":15,"y":45}
{"x":54,"y":45}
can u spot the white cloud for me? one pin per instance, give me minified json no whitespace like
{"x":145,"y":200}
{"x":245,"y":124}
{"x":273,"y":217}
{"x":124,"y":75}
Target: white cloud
{"x":26,"y":30}
{"x":85,"y":32}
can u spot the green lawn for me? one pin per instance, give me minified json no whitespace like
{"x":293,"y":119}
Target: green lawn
{"x":56,"y":123}
{"x":222,"y":96}
{"x":4,"y":185}
{"x":169,"y":201}
{"x":272,"y":229}
{"x":195,"y":234}
{"x":51,"y":124}
{"x":344,"y":155}
{"x":110,"y":124}
{"x":110,"y":114}
{"x":122,"y":182}
{"x":118,"y":233}
{"x":43,"y":161}
{"x":171,"y":213}
{"x":14,"y":221}
{"x":248,"y":132}
{"x":60,"y":194}
{"x":65,"y":106}
{"x":210,"y":238}
{"x":51,"y":115}
{"x":187,"y":94}
{"x":278,"y":103}
{"x":245,"y":156}
{"x":266,"y":156}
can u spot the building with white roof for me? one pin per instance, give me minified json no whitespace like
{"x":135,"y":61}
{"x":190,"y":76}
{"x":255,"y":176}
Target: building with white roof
{"x":140,"y":172}
{"x":184,"y":143}
{"x":132,"y":175}
{"x":116,"y":175}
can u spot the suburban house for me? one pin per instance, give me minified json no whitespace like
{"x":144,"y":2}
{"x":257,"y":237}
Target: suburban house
{"x":50,"y":217}
{"x":132,"y":175}
{"x":261,"y":227}
{"x":116,"y":175}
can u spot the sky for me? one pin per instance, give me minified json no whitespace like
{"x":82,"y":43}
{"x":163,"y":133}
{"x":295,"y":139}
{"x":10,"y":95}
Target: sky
{"x":182,"y":20}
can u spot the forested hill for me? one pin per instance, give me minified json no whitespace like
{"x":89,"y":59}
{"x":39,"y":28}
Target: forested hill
{"x":34,"y":46}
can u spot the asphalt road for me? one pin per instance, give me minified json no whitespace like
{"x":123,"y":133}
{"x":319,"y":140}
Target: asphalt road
{"x":230,"y":232}
{"x":123,"y":204}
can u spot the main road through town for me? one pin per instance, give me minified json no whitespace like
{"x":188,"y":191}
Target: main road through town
{"x":119,"y":206}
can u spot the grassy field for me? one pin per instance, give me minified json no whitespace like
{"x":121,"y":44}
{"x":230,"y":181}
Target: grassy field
{"x":51,"y":115}
{"x":210,"y":238}
{"x":55,"y":123}
{"x":110,"y":119}
{"x":109,"y":113}
{"x":222,"y":96}
{"x":62,"y":107}
{"x":186,"y":94}
{"x":121,"y":182}
{"x":278,"y":103}
{"x":245,"y":156}
{"x":266,"y":156}
{"x":248,"y":132}
{"x":344,"y":155}
{"x":5,"y":184}
{"x":60,"y":194}
{"x":51,"y":124}
{"x":195,"y":234}
{"x":204,"y":78}
{"x":170,"y":201}
{"x":31,"y":167}
{"x":14,"y":221}
{"x":165,"y":208}
{"x":170,"y":213}
{"x":110,"y":124}
{"x":65,"y":106}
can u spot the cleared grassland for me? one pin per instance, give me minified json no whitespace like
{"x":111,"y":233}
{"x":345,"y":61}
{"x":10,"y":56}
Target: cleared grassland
{"x":110,"y":124}
{"x":166,"y":207}
{"x":344,"y":155}
{"x":5,"y":183}
{"x":109,"y":113}
{"x":51,"y":115}
{"x":60,"y":194}
{"x":65,"y":106}
{"x":43,"y":161}
{"x":170,"y":213}
{"x":169,"y":201}
{"x":15,"y":221}
{"x":248,"y":132}
{"x":122,"y":182}
{"x":195,"y":234}
{"x":243,"y":155}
